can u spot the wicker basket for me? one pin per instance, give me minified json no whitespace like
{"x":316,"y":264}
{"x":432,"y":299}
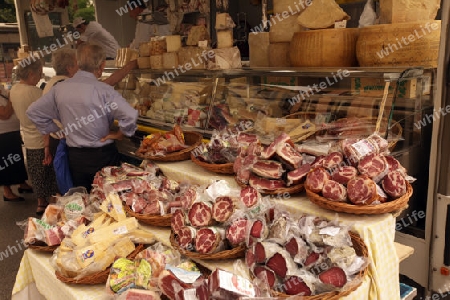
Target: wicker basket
{"x":42,"y":247}
{"x":290,"y":190}
{"x":361,"y":250}
{"x":154,"y":220}
{"x":237,"y":252}
{"x":97,"y":278}
{"x":226,"y":169}
{"x":393,"y":206}
{"x":192,"y":139}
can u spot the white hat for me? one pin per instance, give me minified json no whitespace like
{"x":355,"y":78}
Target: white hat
{"x":78,"y":21}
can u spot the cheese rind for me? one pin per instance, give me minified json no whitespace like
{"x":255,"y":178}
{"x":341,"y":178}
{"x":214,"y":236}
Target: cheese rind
{"x":116,"y":229}
{"x":193,"y":57}
{"x":144,"y":49}
{"x":322,"y":14}
{"x":402,"y":11}
{"x":224,"y":21}
{"x":144,"y":62}
{"x":196,"y":34}
{"x":291,"y":6}
{"x":279,"y":55}
{"x":283,"y":31}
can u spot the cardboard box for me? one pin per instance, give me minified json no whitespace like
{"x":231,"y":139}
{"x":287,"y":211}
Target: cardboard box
{"x":375,"y":87}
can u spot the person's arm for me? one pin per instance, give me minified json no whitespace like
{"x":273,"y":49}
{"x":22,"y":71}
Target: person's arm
{"x":48,"y":157}
{"x":43,"y":111}
{"x":6,"y":111}
{"x":124,"y":114}
{"x":120,"y":74}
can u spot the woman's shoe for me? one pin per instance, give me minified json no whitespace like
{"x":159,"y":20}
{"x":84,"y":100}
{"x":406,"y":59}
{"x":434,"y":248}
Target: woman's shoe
{"x":15,"y":199}
{"x":41,"y":209}
{"x":25,"y":191}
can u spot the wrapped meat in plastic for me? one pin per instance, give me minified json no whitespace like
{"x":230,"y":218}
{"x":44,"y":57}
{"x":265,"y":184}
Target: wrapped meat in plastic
{"x":210,"y":240}
{"x":224,"y":285}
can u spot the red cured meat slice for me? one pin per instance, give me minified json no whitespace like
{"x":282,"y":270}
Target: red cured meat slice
{"x":166,"y":281}
{"x":374,"y":166}
{"x":246,"y":138}
{"x":277,"y":263}
{"x":153,"y":208}
{"x":344,"y":174}
{"x":265,"y":274}
{"x":249,"y":196}
{"x":268,"y":169}
{"x":333,"y":161}
{"x":316,"y":179}
{"x":200,"y":214}
{"x":334,"y":276}
{"x":394,"y":165}
{"x":270,"y":151}
{"x":139,"y":204}
{"x":394,"y":184}
{"x":250,"y":258}
{"x":297,"y":176}
{"x":243,"y":174}
{"x":265,"y":184}
{"x":334,"y":191}
{"x":292,"y":247}
{"x":236,"y":232}
{"x":186,"y":237}
{"x":222,"y":209}
{"x":178,"y":220}
{"x":318,"y":162}
{"x":311,"y":259}
{"x":164,"y":196}
{"x":188,"y":197}
{"x":362,"y":190}
{"x":208,"y":239}
{"x":257,"y":229}
{"x":295,"y":286}
{"x":289,"y":155}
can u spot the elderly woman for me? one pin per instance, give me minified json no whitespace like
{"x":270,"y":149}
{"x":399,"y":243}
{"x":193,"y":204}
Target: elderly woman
{"x":64,"y":61}
{"x":86,"y":108}
{"x":12,"y":169}
{"x":39,"y":159}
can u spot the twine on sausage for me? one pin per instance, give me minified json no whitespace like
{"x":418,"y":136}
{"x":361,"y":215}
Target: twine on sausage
{"x":382,"y":105}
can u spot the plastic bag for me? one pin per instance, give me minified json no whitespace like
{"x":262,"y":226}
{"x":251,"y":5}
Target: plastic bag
{"x":62,"y":169}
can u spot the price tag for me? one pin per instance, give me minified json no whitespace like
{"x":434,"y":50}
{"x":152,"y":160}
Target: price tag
{"x":341,"y":24}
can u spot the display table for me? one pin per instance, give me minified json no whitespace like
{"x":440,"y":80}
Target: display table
{"x":36,"y":277}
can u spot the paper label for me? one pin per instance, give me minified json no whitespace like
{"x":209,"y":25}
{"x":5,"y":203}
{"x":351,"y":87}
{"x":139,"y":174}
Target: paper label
{"x":203,"y":44}
{"x":185,"y":276}
{"x":121,"y":230}
{"x":363,"y":148}
{"x":340,"y":24}
{"x":236,"y":284}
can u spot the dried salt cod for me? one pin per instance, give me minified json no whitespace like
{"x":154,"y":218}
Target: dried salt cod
{"x":322,"y":14}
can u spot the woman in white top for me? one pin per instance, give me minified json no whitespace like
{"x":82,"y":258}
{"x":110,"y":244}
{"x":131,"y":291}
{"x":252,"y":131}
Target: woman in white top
{"x":12,"y":167}
{"x":39,"y":159}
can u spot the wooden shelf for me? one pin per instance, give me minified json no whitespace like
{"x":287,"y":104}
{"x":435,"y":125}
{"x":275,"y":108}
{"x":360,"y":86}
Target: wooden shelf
{"x":403,"y":252}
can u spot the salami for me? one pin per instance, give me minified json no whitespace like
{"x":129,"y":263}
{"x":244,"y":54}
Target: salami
{"x":265,"y":274}
{"x":249,"y":196}
{"x":178,"y":220}
{"x":298,"y":249}
{"x":297,"y":176}
{"x":344,"y":174}
{"x":282,"y":264}
{"x":235,"y":233}
{"x":316,"y":179}
{"x":265,"y":250}
{"x":250,"y":258}
{"x":188,"y":197}
{"x":222,"y":209}
{"x":394,"y":184}
{"x":334,"y":191}
{"x":362,"y":190}
{"x":186,"y":237}
{"x":334,"y":276}
{"x":333,"y":161}
{"x":374,"y":166}
{"x":209,"y":240}
{"x":295,"y":286}
{"x":200,"y":214}
{"x":258,"y":230}
{"x":394,"y":165}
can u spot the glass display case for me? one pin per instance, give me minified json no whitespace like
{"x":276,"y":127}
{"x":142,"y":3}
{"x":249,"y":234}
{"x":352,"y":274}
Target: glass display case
{"x":310,"y":102}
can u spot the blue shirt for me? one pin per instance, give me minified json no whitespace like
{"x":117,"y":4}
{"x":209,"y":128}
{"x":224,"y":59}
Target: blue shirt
{"x":86,"y":108}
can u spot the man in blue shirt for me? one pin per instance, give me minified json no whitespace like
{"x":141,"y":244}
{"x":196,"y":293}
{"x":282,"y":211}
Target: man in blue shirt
{"x":86,"y":108}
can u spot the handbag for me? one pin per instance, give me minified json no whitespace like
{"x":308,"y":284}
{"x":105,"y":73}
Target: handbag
{"x":61,"y":166}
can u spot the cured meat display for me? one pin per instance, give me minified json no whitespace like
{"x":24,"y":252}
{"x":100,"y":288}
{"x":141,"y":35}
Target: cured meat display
{"x":217,"y":221}
{"x":277,"y":166}
{"x":362,"y":174}
{"x":162,"y":143}
{"x":222,"y":147}
{"x":315,"y":256}
{"x":144,"y":189}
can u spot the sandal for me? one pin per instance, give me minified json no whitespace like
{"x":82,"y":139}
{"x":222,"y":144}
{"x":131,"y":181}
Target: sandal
{"x":14,"y":199}
{"x":25,"y":191}
{"x":41,"y":209}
